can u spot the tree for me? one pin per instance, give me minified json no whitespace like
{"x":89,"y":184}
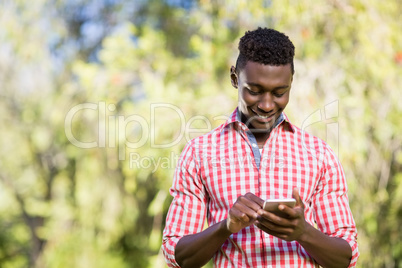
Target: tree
{"x":96,"y":119}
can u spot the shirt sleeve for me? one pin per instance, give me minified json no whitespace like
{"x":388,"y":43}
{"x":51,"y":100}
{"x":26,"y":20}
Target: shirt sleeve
{"x":187,"y":211}
{"x":331,"y":204}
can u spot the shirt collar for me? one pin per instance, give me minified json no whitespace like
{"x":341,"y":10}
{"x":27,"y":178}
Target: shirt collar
{"x":235,"y":120}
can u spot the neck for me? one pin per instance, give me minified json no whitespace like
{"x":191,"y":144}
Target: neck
{"x":261,"y":137}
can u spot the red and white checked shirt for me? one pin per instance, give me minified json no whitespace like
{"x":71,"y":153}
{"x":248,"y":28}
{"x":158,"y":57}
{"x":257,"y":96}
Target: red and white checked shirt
{"x":216,"y":168}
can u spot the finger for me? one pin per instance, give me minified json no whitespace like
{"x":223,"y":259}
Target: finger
{"x":284,"y":212}
{"x":277,"y":231}
{"x":255,"y":199}
{"x":296,"y":195}
{"x":240,"y":208}
{"x":266,"y":217}
{"x":238,"y":216}
{"x":287,"y":212}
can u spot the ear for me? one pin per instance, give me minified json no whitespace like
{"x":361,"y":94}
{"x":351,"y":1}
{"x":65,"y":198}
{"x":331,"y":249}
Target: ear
{"x":233,"y":77}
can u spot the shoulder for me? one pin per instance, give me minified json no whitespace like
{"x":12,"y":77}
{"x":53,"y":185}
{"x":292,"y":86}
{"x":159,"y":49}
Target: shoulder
{"x":206,"y":140}
{"x":309,"y":143}
{"x":307,"y":137}
{"x":199,"y":148}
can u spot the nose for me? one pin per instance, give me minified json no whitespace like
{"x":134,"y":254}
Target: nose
{"x":266,"y":103}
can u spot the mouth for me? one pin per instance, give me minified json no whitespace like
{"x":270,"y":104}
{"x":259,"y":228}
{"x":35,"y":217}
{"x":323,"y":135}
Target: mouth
{"x":265,"y":118}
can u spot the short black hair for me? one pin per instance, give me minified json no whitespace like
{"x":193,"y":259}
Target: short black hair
{"x":266,"y":46}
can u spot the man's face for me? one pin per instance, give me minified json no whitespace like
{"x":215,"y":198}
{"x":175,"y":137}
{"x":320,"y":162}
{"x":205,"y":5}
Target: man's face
{"x":263,"y":93}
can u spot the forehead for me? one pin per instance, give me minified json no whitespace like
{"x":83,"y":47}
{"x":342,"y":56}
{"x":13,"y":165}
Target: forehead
{"x":258,"y":73}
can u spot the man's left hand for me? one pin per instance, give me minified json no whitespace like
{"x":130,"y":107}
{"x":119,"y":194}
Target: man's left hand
{"x":289,"y":228}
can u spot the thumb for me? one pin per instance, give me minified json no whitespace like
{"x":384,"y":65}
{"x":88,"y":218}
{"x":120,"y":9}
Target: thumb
{"x":296,"y":195}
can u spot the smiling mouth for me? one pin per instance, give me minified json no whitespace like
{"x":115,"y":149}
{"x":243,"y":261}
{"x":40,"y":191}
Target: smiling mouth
{"x":262,"y":116}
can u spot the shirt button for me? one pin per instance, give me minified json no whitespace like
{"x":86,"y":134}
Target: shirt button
{"x":254,"y":145}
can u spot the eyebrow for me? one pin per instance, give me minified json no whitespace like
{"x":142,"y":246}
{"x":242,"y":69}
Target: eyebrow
{"x":261,"y":87}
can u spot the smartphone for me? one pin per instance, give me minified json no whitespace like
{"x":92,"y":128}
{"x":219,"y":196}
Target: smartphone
{"x":271,"y":205}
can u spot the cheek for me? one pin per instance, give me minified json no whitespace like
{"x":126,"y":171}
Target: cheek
{"x":247,"y":98}
{"x":283,"y":101}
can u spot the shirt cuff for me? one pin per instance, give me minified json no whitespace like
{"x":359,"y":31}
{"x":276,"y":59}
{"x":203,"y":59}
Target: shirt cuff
{"x":355,"y":253}
{"x":168,"y":248}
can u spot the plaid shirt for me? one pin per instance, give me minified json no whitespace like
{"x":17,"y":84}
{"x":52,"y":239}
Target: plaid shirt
{"x":216,"y":168}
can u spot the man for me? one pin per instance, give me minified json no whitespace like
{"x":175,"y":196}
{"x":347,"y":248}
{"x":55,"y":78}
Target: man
{"x":227,"y":174}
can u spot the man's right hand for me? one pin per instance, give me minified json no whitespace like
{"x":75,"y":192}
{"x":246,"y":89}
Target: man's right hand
{"x":243,"y":213}
{"x":195,"y":250}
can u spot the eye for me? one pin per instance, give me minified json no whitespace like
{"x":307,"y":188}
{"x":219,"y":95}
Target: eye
{"x":252,"y":92}
{"x":278,"y":95}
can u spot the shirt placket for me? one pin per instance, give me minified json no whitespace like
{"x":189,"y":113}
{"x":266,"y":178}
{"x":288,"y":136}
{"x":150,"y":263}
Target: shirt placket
{"x":264,"y":177}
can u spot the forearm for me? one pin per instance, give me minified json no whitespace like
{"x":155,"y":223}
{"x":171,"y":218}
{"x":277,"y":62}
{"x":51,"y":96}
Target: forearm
{"x":327,"y":251}
{"x":197,"y":249}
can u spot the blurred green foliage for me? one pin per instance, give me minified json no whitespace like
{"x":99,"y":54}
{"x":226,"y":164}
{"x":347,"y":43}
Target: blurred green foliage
{"x":133,"y":82}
